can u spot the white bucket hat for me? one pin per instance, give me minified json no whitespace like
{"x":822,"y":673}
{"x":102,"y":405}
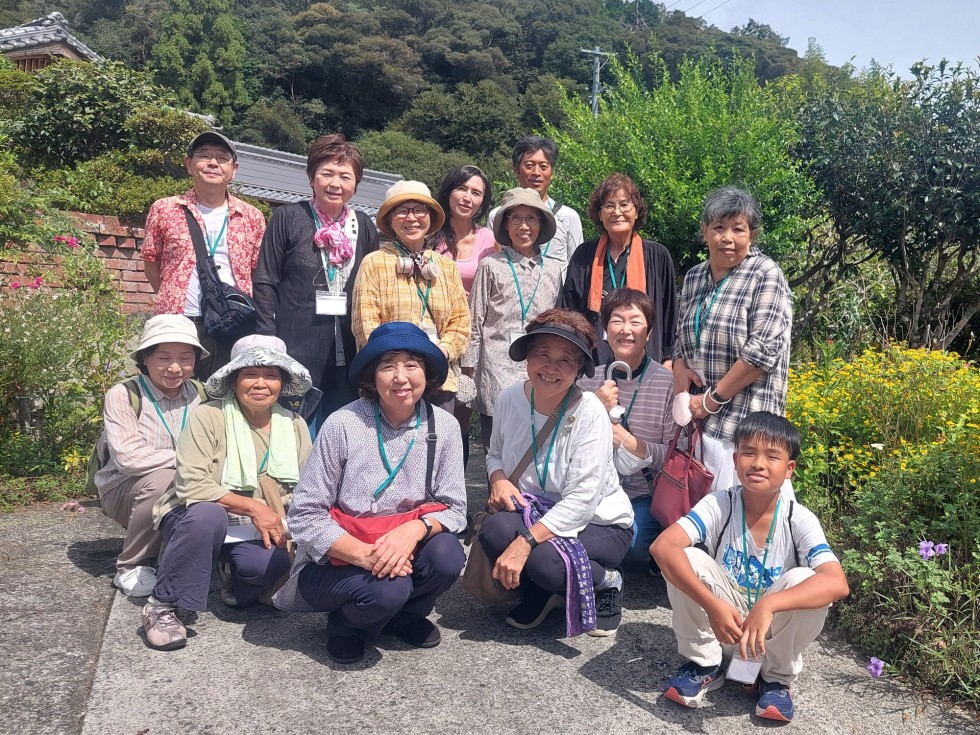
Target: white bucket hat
{"x":260,"y":350}
{"x":168,"y":328}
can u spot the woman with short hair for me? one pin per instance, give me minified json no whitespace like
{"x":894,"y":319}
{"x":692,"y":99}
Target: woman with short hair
{"x":379,"y":501}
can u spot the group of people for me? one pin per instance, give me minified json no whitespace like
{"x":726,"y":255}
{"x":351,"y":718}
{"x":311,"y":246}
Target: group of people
{"x":579,"y":358}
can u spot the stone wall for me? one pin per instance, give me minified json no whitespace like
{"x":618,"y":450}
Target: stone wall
{"x":118,"y":244}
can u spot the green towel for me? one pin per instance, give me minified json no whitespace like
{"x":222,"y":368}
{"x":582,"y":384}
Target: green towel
{"x":241,"y":472}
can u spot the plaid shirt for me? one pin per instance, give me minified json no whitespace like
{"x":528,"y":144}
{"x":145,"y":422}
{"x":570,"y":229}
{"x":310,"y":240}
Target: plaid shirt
{"x":381,"y":295}
{"x":168,"y":241}
{"x":751,"y":318}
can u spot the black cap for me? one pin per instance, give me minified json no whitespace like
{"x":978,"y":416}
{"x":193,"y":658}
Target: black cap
{"x":215,"y":139}
{"x":518,"y":348}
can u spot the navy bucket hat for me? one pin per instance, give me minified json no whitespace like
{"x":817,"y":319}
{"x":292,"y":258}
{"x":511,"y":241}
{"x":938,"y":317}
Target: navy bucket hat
{"x":401,"y":336}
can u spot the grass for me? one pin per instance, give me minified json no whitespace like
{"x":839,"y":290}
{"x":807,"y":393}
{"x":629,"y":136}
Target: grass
{"x":18,"y":492}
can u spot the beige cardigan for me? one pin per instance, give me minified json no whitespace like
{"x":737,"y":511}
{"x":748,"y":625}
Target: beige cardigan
{"x":201,"y":453}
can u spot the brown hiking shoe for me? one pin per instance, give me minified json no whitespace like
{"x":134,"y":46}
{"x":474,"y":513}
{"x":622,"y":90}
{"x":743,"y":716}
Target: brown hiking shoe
{"x":164,"y":631}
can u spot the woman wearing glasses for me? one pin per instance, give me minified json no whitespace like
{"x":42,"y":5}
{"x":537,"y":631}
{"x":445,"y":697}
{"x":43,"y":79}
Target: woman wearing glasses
{"x":621,"y":258}
{"x":405,"y":282}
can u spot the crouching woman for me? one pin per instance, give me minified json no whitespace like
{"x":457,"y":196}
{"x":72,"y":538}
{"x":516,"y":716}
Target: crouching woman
{"x":379,"y":501}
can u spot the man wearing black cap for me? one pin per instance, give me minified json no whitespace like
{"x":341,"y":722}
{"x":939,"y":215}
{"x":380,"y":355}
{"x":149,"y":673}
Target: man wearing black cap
{"x":232,"y":230}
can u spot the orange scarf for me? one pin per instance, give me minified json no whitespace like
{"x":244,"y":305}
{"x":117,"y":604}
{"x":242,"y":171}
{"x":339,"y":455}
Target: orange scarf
{"x":635,"y":275}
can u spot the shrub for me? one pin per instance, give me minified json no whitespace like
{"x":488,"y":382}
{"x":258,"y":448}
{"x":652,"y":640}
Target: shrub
{"x":891,"y":458}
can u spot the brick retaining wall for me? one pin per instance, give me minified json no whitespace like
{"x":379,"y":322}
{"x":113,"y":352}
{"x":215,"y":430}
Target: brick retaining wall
{"x":118,"y":244}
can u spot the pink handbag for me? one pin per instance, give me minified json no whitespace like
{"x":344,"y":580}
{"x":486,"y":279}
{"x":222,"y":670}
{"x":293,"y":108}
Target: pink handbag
{"x":683,"y":480}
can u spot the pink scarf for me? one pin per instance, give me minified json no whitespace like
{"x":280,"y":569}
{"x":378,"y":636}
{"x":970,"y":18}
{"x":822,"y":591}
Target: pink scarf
{"x":331,"y":235}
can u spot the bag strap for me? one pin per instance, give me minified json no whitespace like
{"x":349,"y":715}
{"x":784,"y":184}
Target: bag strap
{"x":542,"y":437}
{"x":430,"y":457}
{"x":135,"y":396}
{"x":789,"y":520}
{"x":207,"y":272}
{"x":728,"y":520}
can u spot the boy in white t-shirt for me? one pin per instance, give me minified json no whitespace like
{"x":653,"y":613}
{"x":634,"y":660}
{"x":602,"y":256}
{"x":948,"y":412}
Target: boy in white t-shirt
{"x":761,"y":592}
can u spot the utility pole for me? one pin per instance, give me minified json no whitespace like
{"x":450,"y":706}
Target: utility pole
{"x":598,"y":61}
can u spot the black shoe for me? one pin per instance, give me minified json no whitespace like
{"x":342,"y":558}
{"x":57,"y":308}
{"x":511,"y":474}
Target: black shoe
{"x":415,"y":631}
{"x":608,"y":612}
{"x":533,"y":608}
{"x":345,"y":649}
{"x":655,"y":569}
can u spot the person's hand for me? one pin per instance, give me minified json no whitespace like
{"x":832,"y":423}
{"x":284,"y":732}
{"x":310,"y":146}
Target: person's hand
{"x":755,"y":627}
{"x":392,"y":554}
{"x":620,"y":435}
{"x":608,"y":393}
{"x":684,"y":377}
{"x":268,"y":523}
{"x":726,"y":621}
{"x":511,"y":563}
{"x":697,"y":407}
{"x":503,"y":494}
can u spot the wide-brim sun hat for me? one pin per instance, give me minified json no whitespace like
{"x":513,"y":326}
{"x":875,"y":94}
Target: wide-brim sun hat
{"x":409,"y":191}
{"x":260,"y":351}
{"x":519,"y":347}
{"x":528,"y":198}
{"x":168,"y":328}
{"x":401,"y":337}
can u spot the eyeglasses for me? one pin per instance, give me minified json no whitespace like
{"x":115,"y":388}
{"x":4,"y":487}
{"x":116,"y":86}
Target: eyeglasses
{"x":204,"y":156}
{"x":529,"y":220}
{"x":420,"y":211}
{"x":610,"y":208}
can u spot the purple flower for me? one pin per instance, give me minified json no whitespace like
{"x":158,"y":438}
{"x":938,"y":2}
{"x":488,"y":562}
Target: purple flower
{"x":941,"y":549}
{"x":927,"y":550}
{"x":876,"y":667}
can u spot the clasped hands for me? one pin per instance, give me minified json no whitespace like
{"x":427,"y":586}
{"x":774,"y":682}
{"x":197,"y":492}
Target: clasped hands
{"x":749,"y":634}
{"x":391,"y":555}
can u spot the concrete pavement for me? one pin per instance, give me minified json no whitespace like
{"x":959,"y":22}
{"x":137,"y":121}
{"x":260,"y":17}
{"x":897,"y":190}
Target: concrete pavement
{"x":75,"y":662}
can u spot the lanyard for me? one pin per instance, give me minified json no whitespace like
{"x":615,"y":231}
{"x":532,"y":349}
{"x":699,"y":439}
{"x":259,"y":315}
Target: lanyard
{"x":330,"y":270}
{"x":636,"y":391}
{"x":384,"y":455}
{"x":611,"y":267}
{"x":213,"y":244}
{"x":166,"y":426}
{"x":428,"y":289}
{"x":697,"y":312}
{"x":765,"y":557}
{"x":525,"y":308}
{"x":543,"y":476}
{"x":265,"y":458}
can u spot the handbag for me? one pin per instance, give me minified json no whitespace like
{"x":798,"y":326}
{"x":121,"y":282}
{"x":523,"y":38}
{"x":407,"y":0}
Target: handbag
{"x":228,"y":313}
{"x":478,"y":577}
{"x":683,"y":480}
{"x":370,"y":528}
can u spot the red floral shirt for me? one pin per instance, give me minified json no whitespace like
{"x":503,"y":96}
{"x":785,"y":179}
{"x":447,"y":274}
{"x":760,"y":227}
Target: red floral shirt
{"x":168,"y":242}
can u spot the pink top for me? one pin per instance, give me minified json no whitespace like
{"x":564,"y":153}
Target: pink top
{"x":484,"y":245}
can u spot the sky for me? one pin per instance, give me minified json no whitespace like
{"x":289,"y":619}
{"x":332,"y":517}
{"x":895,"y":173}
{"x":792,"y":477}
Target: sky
{"x":896,"y":32}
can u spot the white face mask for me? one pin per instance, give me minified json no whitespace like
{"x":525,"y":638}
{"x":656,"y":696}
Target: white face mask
{"x":682,"y":409}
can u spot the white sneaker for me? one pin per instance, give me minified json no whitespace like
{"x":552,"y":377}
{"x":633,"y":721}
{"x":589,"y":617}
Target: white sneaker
{"x":136,"y":582}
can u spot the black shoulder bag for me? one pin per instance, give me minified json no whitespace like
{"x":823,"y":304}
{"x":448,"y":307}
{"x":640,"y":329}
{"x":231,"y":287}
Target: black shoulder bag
{"x":228,"y":313}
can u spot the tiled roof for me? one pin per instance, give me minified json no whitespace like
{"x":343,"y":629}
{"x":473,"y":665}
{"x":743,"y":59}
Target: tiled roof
{"x":43,"y":32}
{"x":280,"y":178}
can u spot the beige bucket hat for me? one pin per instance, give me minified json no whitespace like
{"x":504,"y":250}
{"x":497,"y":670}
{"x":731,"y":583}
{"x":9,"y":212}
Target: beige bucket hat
{"x":529,"y":198}
{"x":168,"y":328}
{"x":409,"y":191}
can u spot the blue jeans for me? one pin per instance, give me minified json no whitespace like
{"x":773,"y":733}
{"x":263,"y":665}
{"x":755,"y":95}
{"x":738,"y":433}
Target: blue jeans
{"x":645,"y":529}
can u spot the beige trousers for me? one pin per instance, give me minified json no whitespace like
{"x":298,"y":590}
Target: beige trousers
{"x":130,"y":504}
{"x":790,"y":633}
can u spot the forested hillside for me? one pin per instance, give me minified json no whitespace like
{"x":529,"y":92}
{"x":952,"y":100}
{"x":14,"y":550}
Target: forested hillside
{"x":467,"y":76}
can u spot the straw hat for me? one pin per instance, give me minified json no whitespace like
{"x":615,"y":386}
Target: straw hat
{"x":168,"y":328}
{"x":409,"y":191}
{"x":529,"y":198}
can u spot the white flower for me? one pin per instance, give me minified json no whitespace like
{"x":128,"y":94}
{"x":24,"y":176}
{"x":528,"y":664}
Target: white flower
{"x":877,"y":445}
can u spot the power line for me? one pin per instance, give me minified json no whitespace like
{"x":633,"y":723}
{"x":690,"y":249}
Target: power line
{"x":714,"y":8}
{"x":700,"y":2}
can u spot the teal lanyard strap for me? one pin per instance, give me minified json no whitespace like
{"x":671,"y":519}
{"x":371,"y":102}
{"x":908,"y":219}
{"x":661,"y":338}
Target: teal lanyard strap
{"x":428,"y":289}
{"x":384,"y":455}
{"x":525,"y":308}
{"x":213,"y":244}
{"x":330,"y":270}
{"x":765,"y":556}
{"x":611,"y":267}
{"x":636,"y":392}
{"x":163,"y":419}
{"x":543,"y":475}
{"x":697,"y":312}
{"x":265,"y":458}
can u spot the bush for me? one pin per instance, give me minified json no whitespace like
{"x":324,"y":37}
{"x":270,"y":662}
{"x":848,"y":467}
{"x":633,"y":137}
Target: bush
{"x":891,"y":459}
{"x":61,"y":349}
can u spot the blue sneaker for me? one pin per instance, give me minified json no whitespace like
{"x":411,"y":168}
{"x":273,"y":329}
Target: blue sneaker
{"x":692,"y":682}
{"x":775,"y":702}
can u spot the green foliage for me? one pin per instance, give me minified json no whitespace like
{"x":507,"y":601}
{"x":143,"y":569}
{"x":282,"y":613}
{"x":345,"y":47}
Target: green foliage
{"x":16,"y":492}
{"x":717,"y":125}
{"x":59,"y":349}
{"x":201,"y":55}
{"x":891,"y":457}
{"x":78,"y":110}
{"x":896,"y":164}
{"x":412,"y":158}
{"x":275,"y":123}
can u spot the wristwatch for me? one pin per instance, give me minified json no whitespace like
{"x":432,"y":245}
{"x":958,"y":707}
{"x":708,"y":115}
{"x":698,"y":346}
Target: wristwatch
{"x":529,"y":537}
{"x":428,"y":527}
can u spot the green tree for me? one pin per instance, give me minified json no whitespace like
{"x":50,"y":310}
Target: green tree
{"x":400,"y":153}
{"x":896,"y":163}
{"x":201,"y":55}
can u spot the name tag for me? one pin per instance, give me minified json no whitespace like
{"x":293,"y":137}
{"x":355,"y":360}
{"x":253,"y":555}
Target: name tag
{"x":331,"y":304}
{"x":433,"y":335}
{"x":515,"y":335}
{"x":744,"y":671}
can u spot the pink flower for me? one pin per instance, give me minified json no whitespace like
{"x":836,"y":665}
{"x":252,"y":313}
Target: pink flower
{"x":60,"y":238}
{"x":73,"y":242}
{"x":15,"y":284}
{"x":36,"y":283}
{"x":73,"y":507}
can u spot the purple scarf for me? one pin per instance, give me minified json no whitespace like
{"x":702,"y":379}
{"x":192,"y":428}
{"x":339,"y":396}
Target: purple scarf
{"x":580,"y":614}
{"x":331,"y":236}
